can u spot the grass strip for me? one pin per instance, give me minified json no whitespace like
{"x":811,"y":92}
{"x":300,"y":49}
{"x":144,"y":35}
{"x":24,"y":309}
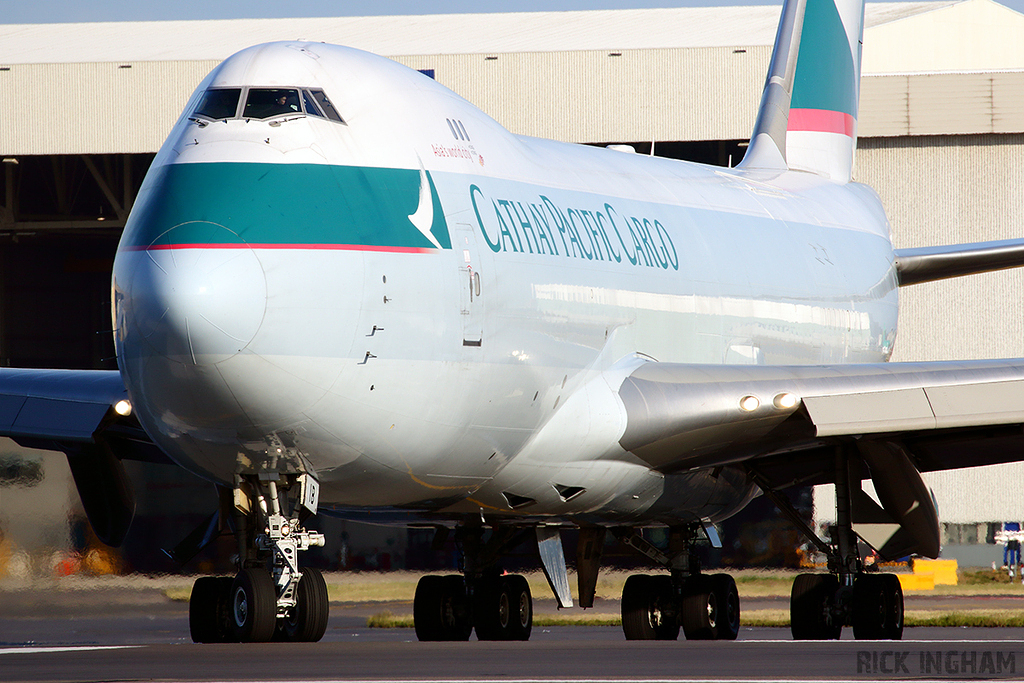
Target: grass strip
{"x":766,"y":618}
{"x":400,"y":586}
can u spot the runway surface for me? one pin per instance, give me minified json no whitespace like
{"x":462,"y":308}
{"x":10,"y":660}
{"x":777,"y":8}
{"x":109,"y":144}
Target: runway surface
{"x":103,"y":635}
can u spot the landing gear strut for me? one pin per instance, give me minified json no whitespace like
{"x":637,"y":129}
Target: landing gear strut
{"x":656,"y":607}
{"x":269,"y":598}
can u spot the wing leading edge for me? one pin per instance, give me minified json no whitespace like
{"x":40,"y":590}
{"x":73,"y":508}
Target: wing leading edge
{"x":64,"y":405}
{"x":85,"y":414}
{"x":947,"y":414}
{"x":926,"y":264}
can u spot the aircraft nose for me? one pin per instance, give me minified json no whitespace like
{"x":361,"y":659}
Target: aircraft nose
{"x":197,"y":303}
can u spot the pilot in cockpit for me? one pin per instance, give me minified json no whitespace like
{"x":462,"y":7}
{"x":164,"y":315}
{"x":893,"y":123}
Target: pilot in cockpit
{"x":288,"y":101}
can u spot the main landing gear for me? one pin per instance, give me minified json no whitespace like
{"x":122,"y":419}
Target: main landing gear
{"x":821,"y":604}
{"x":269,"y":598}
{"x":656,"y":607}
{"x":498,"y":606}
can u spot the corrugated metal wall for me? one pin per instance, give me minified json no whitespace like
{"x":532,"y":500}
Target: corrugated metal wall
{"x":577,"y":96}
{"x":942,"y":104}
{"x":949,"y":190}
{"x":98,"y":108}
{"x":595,"y":96}
{"x":677,"y":94}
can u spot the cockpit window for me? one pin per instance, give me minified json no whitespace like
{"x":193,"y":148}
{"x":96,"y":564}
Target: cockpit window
{"x":325,"y":105}
{"x":263,"y":103}
{"x":309,"y":104}
{"x":219,"y":103}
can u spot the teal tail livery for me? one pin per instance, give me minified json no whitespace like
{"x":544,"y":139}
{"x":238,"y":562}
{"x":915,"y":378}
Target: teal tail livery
{"x":344,"y":289}
{"x":808,"y":115}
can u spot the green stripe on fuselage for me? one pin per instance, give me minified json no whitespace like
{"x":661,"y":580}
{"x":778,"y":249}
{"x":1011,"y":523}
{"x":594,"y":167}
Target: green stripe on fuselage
{"x":283,"y":204}
{"x":825,"y":74}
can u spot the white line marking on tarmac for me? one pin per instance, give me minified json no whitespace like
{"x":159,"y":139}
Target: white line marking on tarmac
{"x":709,"y":679}
{"x":61,"y":648}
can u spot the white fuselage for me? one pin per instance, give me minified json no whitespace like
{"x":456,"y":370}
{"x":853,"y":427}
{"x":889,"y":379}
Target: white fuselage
{"x":291,"y":294}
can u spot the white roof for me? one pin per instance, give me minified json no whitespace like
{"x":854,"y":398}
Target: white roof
{"x":686,"y":27}
{"x":971,"y":36}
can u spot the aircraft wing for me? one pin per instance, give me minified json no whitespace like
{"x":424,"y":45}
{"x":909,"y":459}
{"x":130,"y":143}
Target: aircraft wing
{"x":925,"y":264}
{"x":946,"y":415}
{"x":85,"y":414}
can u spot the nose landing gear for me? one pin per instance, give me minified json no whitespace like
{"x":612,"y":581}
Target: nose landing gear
{"x":269,"y":598}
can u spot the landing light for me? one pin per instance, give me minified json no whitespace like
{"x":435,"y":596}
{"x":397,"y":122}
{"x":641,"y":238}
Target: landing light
{"x":786,"y":400}
{"x":123,"y":408}
{"x":749,"y":403}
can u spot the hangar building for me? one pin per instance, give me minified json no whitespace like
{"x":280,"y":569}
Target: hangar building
{"x":84,"y":107}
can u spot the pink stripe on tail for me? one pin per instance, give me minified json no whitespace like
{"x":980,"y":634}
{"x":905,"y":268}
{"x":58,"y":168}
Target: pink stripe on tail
{"x":821,"y":120}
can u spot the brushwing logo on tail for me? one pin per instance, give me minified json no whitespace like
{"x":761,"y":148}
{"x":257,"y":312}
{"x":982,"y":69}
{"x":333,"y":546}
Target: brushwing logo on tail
{"x":825,"y":84}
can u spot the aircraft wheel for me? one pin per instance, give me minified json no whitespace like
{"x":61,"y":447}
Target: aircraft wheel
{"x":307,"y":622}
{"x":522,"y":607}
{"x":727,"y":624}
{"x":253,"y":606}
{"x":877,"y":607}
{"x":811,"y":613}
{"x":209,"y":619}
{"x":495,"y":610}
{"x":893,"y":592}
{"x":648,"y":608}
{"x":701,"y":611}
{"x":440,"y":609}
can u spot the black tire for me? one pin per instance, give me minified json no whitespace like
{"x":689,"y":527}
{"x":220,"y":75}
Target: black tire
{"x":869,"y":608}
{"x":440,"y":609}
{"x":522,"y":607}
{"x":894,"y":603}
{"x":649,"y":608}
{"x":877,"y":607}
{"x":307,"y":622}
{"x":460,"y":626}
{"x":492,"y":609}
{"x":727,"y":625}
{"x":253,"y":606}
{"x":208,"y":613}
{"x":700,"y":613}
{"x":811,"y":608}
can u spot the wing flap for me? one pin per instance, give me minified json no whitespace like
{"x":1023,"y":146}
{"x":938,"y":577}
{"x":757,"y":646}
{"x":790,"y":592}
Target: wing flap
{"x":973,"y":405}
{"x":877,"y":411}
{"x":944,"y":406}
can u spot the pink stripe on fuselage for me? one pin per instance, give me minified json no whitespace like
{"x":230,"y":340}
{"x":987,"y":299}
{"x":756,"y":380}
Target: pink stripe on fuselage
{"x":337,"y":247}
{"x":821,"y":120}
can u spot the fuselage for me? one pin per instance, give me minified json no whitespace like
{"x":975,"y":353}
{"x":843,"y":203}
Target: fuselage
{"x":401,"y":300}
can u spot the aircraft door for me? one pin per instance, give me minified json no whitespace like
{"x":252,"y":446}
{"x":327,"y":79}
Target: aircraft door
{"x":471,"y":293}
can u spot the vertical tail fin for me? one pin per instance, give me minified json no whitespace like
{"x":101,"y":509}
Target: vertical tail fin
{"x":808,"y":115}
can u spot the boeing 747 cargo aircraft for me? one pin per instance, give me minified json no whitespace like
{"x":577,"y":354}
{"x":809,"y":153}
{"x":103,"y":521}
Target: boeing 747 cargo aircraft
{"x":344,"y":288}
